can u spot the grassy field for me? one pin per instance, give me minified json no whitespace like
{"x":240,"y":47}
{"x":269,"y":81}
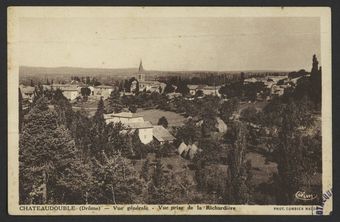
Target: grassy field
{"x":153,"y":115}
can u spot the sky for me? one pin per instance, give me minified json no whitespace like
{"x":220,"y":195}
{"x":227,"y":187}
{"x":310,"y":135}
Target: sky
{"x":170,"y":43}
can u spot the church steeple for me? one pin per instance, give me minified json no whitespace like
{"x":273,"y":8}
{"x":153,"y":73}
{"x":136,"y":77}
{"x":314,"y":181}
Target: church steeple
{"x":141,"y":74}
{"x":140,"y":70}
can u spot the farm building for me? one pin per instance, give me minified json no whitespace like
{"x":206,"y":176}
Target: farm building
{"x":151,"y":86}
{"x":133,"y":121}
{"x":102,"y":91}
{"x":182,"y":148}
{"x":188,"y":151}
{"x":221,"y":125}
{"x":206,"y":90}
{"x":194,"y":88}
{"x":71,"y":92}
{"x":162,"y":135}
{"x":211,"y":90}
{"x":145,"y":131}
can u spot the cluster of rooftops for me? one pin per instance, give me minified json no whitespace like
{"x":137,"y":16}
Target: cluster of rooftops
{"x":146,"y":131}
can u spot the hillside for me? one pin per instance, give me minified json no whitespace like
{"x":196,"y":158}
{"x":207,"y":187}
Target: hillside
{"x":25,"y":71}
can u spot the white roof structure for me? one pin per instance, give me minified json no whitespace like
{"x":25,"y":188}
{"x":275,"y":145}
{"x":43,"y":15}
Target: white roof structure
{"x":161,"y":134}
{"x":193,"y":149}
{"x":182,"y":148}
{"x":140,"y":125}
{"x":104,"y":87}
{"x":251,"y":80}
{"x":122,"y":115}
{"x":221,"y":125}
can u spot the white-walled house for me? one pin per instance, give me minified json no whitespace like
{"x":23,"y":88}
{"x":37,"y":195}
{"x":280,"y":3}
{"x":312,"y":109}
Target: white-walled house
{"x":71,"y":92}
{"x":134,"y":122}
{"x":151,"y":86}
{"x":102,"y":91}
{"x":211,"y":90}
{"x":206,"y":90}
{"x":193,"y":89}
{"x":145,"y":131}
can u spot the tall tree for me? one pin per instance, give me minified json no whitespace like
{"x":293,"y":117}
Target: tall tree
{"x":228,"y":108}
{"x":316,"y":81}
{"x":163,"y":121}
{"x":47,"y":155}
{"x":63,"y":109}
{"x":98,"y":131}
{"x":118,"y":183}
{"x":100,"y":109}
{"x":21,"y":112}
{"x":114,"y":102}
{"x":239,"y":168}
{"x":169,"y":88}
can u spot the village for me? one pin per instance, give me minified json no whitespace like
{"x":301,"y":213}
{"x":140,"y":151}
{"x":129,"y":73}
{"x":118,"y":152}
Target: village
{"x":186,"y":132}
{"x":74,"y":91}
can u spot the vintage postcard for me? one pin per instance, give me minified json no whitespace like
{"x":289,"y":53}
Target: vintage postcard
{"x":169,"y":111}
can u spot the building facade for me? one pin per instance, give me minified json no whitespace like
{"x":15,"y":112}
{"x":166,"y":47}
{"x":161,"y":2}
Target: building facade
{"x":134,"y":122}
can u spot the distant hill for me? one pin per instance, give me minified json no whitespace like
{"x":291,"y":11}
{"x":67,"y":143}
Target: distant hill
{"x":28,"y":71}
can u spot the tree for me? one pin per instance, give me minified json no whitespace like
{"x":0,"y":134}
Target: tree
{"x":63,"y":108}
{"x":48,"y":159}
{"x":98,"y":131}
{"x":118,"y":182}
{"x":85,"y":92}
{"x":87,"y":80}
{"x":189,"y":133}
{"x":163,"y":121}
{"x":157,"y":177}
{"x":240,"y":190}
{"x":228,"y":108}
{"x":249,"y":114}
{"x":169,"y":88}
{"x":100,"y":109}
{"x":115,"y":103}
{"x":21,"y":112}
{"x":316,"y":81}
{"x":199,"y":93}
{"x":165,"y":150}
{"x":145,"y":170}
{"x":295,"y":156}
{"x":182,"y":88}
{"x":138,"y":149}
{"x":133,"y":108}
{"x":242,"y":77}
{"x":159,"y":191}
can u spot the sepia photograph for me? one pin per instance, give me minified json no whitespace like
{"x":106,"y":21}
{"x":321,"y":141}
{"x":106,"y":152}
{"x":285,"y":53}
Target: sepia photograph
{"x":162,"y":110}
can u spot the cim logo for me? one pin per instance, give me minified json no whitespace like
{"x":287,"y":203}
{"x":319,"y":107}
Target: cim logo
{"x":301,"y":195}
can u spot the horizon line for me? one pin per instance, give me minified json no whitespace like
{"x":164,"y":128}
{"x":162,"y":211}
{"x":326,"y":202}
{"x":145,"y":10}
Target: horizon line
{"x":154,"y":70}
